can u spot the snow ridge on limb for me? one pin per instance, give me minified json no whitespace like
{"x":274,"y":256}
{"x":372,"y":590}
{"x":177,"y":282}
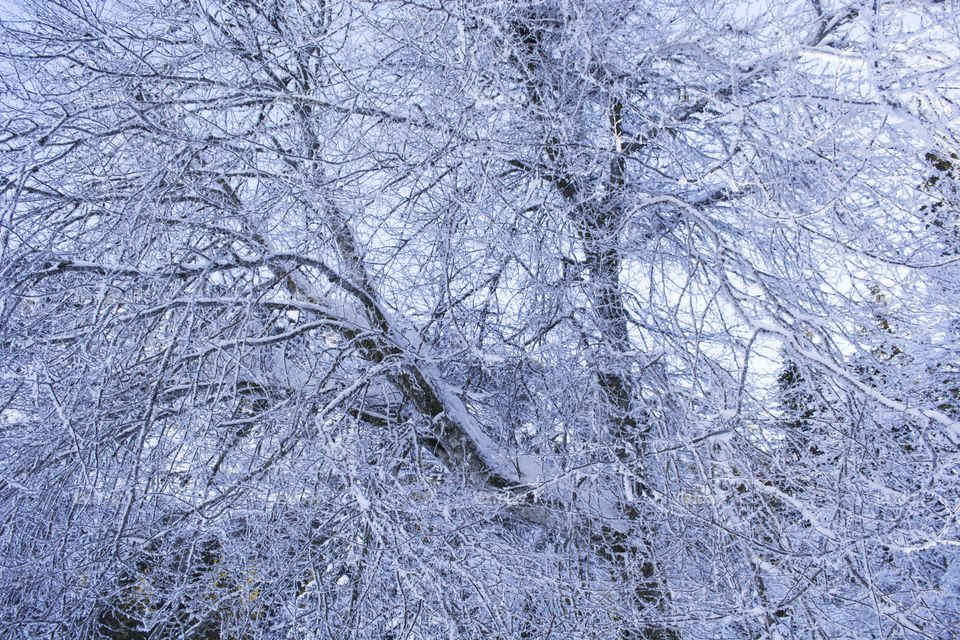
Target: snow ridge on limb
{"x":532,"y":488}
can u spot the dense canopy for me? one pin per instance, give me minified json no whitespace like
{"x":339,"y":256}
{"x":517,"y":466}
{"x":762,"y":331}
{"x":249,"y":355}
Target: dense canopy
{"x":485,"y":319}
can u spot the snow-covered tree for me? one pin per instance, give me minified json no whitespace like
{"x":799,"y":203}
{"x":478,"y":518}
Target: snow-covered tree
{"x":468,"y":319}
